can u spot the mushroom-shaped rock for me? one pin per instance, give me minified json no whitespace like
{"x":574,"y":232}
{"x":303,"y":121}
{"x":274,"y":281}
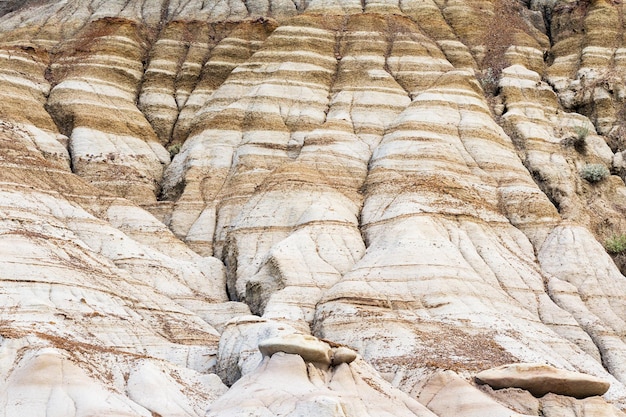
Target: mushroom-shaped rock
{"x":540,"y":379}
{"x":309,"y":347}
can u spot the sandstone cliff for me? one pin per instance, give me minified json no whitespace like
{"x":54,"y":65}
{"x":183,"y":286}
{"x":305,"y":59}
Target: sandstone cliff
{"x":388,"y":196}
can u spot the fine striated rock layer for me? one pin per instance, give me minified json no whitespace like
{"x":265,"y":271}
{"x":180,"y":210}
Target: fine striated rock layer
{"x":321,"y":207}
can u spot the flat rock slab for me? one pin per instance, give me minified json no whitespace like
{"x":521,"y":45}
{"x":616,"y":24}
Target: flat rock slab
{"x":540,"y":379}
{"x":309,"y":347}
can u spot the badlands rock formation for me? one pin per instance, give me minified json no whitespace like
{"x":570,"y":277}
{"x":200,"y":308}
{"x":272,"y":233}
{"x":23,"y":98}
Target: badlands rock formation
{"x":313,"y":207}
{"x":540,"y":379}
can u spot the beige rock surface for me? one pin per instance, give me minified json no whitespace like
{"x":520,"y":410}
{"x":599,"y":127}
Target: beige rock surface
{"x":308,"y":347}
{"x":182,"y":182}
{"x":447,"y":394}
{"x":285,"y":385}
{"x":343,"y":354}
{"x":516,"y":399}
{"x":554,"y":405}
{"x":540,"y":379}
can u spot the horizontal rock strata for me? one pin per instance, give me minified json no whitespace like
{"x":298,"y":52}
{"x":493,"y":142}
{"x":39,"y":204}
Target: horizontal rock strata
{"x":322,"y":207}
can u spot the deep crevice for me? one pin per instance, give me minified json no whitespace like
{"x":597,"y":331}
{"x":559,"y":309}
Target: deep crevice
{"x":339,"y":39}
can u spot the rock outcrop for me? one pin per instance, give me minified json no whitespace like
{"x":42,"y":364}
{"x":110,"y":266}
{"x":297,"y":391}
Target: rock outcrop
{"x":539,"y":379}
{"x":285,"y":385}
{"x":448,"y":395}
{"x":310,"y":207}
{"x":308,"y":347}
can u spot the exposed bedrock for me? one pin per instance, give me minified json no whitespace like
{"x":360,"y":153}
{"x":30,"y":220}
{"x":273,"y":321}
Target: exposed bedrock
{"x":311,"y":207}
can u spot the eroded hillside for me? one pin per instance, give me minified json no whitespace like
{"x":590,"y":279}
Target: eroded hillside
{"x":428,"y":186}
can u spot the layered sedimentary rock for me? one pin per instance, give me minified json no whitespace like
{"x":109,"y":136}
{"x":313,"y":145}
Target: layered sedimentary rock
{"x":539,"y":379}
{"x":286,"y":385}
{"x":345,"y":208}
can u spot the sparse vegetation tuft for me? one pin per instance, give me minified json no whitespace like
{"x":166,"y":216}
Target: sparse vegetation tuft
{"x":173,"y":150}
{"x":488,"y":79}
{"x":579,"y":140}
{"x":594,"y":172}
{"x":581,"y":132}
{"x":616,"y":244}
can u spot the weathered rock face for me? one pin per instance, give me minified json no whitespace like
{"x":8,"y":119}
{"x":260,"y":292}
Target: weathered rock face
{"x":539,"y":380}
{"x":285,"y":385}
{"x":346,"y":207}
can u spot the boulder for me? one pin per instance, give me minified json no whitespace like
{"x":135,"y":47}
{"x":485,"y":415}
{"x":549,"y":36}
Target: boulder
{"x":540,"y":379}
{"x":310,"y":348}
{"x":343,"y":354}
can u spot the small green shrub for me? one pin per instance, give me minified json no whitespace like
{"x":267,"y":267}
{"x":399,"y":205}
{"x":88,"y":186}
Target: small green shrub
{"x":616,"y":244}
{"x":174,"y":149}
{"x":594,"y":172}
{"x":581,"y":132}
